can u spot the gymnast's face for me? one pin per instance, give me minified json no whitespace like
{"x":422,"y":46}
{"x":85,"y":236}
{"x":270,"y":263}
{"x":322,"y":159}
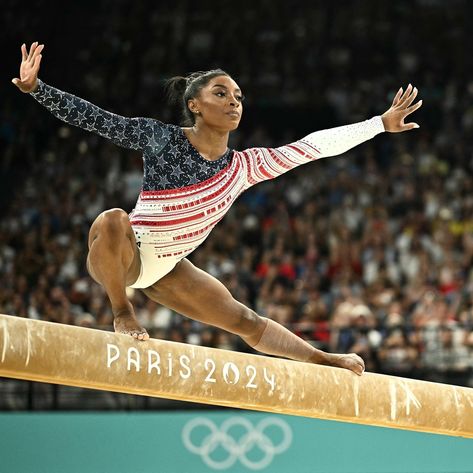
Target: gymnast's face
{"x":219,"y":104}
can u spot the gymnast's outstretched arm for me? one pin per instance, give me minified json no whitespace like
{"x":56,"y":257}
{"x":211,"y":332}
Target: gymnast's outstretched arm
{"x":267,"y":163}
{"x":133,"y":133}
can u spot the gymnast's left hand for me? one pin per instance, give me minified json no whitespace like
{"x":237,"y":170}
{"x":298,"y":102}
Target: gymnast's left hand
{"x":393,"y":119}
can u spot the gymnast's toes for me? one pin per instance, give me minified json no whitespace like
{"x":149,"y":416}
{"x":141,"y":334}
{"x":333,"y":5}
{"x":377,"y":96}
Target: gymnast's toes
{"x":128,"y":325}
{"x":143,"y":335}
{"x":351,"y":362}
{"x":354,"y":363}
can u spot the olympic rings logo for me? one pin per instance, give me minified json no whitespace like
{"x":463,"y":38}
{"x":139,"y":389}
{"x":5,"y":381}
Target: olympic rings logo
{"x":236,"y":449}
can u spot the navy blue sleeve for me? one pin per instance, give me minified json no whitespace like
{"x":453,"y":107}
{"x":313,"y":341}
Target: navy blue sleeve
{"x":133,"y":133}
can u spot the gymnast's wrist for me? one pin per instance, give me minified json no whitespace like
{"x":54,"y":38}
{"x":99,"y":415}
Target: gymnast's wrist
{"x":35,"y":87}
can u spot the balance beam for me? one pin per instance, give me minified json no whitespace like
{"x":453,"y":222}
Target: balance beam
{"x":75,"y":356}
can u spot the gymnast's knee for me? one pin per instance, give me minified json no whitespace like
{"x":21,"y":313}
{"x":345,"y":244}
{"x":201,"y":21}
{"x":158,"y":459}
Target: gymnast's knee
{"x":113,"y":224}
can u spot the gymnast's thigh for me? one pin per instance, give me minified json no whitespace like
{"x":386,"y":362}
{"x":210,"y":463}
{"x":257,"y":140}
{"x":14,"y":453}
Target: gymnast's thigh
{"x":196,"y":294}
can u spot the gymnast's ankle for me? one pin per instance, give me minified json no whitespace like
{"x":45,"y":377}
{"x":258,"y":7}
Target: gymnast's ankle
{"x":124,"y":311}
{"x":320,"y":357}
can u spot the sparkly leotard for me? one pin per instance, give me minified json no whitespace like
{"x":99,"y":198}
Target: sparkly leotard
{"x":184,"y":195}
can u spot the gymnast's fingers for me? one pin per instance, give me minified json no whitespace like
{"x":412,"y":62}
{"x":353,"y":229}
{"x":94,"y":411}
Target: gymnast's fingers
{"x":24,"y":54}
{"x":36,"y":54}
{"x":405,"y":96}
{"x":397,"y":97}
{"x":32,"y":48}
{"x":37,"y":51}
{"x":411,"y":97}
{"x":413,"y":108}
{"x":410,"y":126}
{"x":36,"y":64}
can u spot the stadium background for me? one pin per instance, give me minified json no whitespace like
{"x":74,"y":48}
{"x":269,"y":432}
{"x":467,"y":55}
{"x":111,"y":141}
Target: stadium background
{"x":370,"y":252}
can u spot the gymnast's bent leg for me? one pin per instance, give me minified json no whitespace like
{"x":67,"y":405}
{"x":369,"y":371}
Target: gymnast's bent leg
{"x":114,"y":262}
{"x":198,"y":295}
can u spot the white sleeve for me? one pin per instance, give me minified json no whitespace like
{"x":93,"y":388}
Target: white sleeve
{"x":336,"y":141}
{"x":267,"y":163}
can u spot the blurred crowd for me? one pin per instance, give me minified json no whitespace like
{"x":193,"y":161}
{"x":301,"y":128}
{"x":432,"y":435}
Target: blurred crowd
{"x":370,"y":252}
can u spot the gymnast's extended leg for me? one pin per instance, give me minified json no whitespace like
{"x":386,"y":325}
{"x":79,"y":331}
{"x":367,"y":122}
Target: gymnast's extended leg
{"x":198,"y":295}
{"x":114,"y":262}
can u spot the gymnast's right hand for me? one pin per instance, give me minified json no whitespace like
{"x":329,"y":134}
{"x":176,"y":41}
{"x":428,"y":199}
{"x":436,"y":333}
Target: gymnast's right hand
{"x":28,"y":81}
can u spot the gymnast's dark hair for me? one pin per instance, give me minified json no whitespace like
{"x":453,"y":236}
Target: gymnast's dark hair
{"x":180,"y":89}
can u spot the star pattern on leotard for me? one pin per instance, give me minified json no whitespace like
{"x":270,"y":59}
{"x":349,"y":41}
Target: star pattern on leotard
{"x":170,"y":160}
{"x":89,"y":126}
{"x":161,"y":161}
{"x":69,"y":106}
{"x":151,"y":172}
{"x":203,"y":167}
{"x":163,"y":181}
{"x":107,"y":127}
{"x":166,"y":134}
{"x":55,"y":107}
{"x":95,"y":113}
{"x":81,"y":118}
{"x":151,"y":142}
{"x":177,"y":172}
{"x":174,"y":150}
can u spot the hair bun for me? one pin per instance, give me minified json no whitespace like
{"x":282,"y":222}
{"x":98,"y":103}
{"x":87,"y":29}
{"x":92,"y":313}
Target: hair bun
{"x":175,"y":88}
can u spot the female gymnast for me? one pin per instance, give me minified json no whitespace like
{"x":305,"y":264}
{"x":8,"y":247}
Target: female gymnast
{"x":191,"y":178}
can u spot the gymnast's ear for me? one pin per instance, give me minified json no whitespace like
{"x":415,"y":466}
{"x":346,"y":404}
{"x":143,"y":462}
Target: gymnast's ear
{"x":192,"y":106}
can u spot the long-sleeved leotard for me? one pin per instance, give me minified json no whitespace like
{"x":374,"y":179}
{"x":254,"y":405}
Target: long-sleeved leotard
{"x":183,"y":195}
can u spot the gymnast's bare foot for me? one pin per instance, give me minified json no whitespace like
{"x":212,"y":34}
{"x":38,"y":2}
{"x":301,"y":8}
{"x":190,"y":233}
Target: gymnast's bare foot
{"x":351,"y":362}
{"x":125,"y":322}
